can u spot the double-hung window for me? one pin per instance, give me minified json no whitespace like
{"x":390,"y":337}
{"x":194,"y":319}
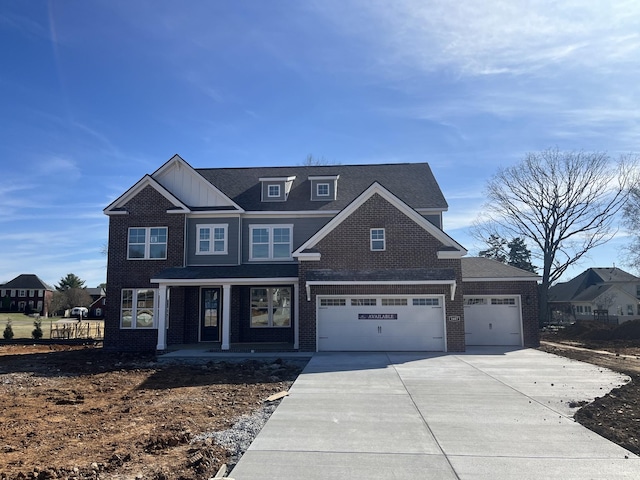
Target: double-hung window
{"x":138,"y":308}
{"x":270,"y":242}
{"x":147,"y":243}
{"x":270,"y":307}
{"x":377,"y":237}
{"x":212,"y":239}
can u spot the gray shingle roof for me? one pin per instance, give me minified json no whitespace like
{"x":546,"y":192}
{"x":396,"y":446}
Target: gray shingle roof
{"x":262,"y":270}
{"x":413,"y":183}
{"x":579,"y":288}
{"x":27,"y":281}
{"x":481,"y":267}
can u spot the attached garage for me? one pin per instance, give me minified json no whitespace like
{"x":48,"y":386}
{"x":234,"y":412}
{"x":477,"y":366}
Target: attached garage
{"x":381,"y":323}
{"x":493,"y":320}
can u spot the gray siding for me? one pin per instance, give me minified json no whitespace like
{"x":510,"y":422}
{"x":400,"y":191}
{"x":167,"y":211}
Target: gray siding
{"x":233,"y":231}
{"x":327,"y":198}
{"x":434,"y":219}
{"x":265,"y":191}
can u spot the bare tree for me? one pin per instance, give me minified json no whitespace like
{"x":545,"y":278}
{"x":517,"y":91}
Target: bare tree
{"x":563,"y":203}
{"x":312,"y":161}
{"x":631,"y":214}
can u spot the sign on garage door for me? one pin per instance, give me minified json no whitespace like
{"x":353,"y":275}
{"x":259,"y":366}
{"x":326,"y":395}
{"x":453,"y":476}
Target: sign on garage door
{"x":381,"y":323}
{"x":492,"y":320}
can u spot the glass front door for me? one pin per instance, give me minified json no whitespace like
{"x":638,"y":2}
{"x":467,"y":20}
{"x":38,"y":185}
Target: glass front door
{"x":210,"y":315}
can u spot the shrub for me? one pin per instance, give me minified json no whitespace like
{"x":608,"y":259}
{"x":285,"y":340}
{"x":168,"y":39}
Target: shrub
{"x":37,"y":332}
{"x":8,"y":331}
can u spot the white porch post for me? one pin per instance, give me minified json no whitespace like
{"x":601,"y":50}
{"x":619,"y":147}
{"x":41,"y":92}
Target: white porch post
{"x":296,"y":316}
{"x":226,"y":315}
{"x":162,"y":318}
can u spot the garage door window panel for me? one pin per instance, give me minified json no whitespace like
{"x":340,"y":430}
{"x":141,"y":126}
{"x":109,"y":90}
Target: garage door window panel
{"x":425,"y":302}
{"x":394,"y":302}
{"x":360,"y":302}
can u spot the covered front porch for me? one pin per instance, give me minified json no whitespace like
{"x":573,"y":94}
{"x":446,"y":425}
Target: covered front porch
{"x":224,"y":309}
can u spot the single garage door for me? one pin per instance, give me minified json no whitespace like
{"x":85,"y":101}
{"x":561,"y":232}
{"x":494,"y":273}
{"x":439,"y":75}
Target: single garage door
{"x":379,"y":323}
{"x":492,"y":320}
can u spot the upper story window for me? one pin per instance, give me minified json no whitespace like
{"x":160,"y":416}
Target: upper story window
{"x":276,"y":189}
{"x":270,"y":242}
{"x":22,"y":293}
{"x":147,"y":243}
{"x":322,"y":189}
{"x":212,"y":239}
{"x":378,"y":242}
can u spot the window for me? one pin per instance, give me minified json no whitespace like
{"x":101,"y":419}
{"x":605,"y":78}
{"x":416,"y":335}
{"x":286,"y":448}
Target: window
{"x":273,"y":190}
{"x":333,"y":302}
{"x":212,"y":240}
{"x":434,"y":302}
{"x":322,"y":189}
{"x":147,"y":243}
{"x":359,"y":302}
{"x":31,"y":293}
{"x":475,"y":301}
{"x":22,"y":293}
{"x":98,"y":312}
{"x":394,"y":302}
{"x":629,"y":309}
{"x":271,"y":242}
{"x":271,"y":307}
{"x":503,"y":301}
{"x":40,"y":305}
{"x":138,"y":308}
{"x":377,"y":239}
{"x":41,"y":293}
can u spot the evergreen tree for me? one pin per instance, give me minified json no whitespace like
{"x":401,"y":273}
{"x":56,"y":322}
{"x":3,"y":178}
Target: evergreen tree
{"x":68,"y":282}
{"x":496,"y":249}
{"x":520,"y":255}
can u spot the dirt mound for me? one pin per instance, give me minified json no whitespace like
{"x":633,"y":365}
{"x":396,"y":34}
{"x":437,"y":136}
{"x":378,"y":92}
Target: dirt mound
{"x":594,"y":332}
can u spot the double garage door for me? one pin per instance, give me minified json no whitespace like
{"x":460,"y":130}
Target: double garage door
{"x":492,"y":320}
{"x":379,"y":323}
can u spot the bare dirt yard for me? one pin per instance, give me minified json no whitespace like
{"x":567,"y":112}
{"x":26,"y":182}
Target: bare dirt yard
{"x":78,"y":412}
{"x":616,"y":415}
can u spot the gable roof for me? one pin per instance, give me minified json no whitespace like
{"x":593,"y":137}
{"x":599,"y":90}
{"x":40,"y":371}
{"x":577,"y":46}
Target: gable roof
{"x":580,"y":288}
{"x":413,"y":183}
{"x":452,"y":249}
{"x":116,"y":207}
{"x":481,"y":269}
{"x":27,"y":281}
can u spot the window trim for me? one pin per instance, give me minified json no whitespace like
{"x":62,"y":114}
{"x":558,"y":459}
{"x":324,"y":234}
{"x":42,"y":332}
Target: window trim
{"x":147,"y":243}
{"x":135,"y":306}
{"x":22,"y":293}
{"x":270,"y":308}
{"x":211,"y":227}
{"x":270,"y":244}
{"x":276,"y":186}
{"x":323,"y":184}
{"x":372,"y":239}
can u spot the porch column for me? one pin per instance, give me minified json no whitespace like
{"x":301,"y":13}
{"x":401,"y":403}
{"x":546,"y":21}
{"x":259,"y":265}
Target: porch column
{"x":226,"y":316}
{"x":162,"y":318}
{"x":296,"y":316}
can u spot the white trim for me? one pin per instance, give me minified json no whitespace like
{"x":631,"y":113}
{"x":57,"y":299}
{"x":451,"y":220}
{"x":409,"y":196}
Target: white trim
{"x":145,"y":181}
{"x":215,"y":214}
{"x":226,"y":316}
{"x":376,"y":188}
{"x":501,"y":279}
{"x":276,"y":187}
{"x":313,"y":257}
{"x":296,"y":315}
{"x":270,"y":244}
{"x":147,"y":243}
{"x":328,"y":194}
{"x":180,"y":162}
{"x":323,"y":177}
{"x":311,"y":283}
{"x":205,"y":282}
{"x":212,"y":227}
{"x":383,"y":239}
{"x":447,"y":254}
{"x":290,"y":178}
{"x":292,"y":214}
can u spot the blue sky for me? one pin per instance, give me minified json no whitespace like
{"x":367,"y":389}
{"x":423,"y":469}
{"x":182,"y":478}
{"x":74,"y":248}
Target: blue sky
{"x":95,"y":94}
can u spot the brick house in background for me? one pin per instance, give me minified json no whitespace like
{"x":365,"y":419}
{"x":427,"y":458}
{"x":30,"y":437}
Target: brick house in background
{"x":26,"y":293}
{"x":309,"y":258}
{"x":98,"y":302}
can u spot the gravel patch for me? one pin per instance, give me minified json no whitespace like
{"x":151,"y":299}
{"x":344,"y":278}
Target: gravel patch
{"x":238,"y":438}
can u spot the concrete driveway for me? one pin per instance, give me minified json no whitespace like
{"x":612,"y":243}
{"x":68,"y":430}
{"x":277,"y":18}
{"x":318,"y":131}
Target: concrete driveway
{"x":489,"y":413}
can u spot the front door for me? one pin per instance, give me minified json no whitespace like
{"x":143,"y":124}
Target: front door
{"x":210,"y":315}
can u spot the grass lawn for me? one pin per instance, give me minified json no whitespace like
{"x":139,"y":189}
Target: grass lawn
{"x":22,"y":325}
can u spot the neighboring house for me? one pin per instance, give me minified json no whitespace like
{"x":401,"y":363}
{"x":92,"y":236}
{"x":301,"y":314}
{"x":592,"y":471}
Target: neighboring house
{"x":98,"y":302}
{"x":309,"y":258}
{"x":26,"y":293}
{"x":609,"y":294}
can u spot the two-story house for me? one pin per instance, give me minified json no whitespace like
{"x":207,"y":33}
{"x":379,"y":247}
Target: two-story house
{"x":309,"y":258}
{"x":26,"y":293}
{"x":609,"y":294}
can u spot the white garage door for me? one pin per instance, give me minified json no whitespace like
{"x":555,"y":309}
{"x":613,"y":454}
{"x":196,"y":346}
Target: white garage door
{"x":492,"y":320}
{"x":379,"y":323}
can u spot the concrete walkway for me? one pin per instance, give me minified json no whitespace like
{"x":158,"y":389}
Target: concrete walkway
{"x":489,"y":413}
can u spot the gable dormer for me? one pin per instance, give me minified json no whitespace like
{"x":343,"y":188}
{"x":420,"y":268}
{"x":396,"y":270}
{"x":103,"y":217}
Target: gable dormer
{"x":324,"y":188}
{"x":276,"y":189}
